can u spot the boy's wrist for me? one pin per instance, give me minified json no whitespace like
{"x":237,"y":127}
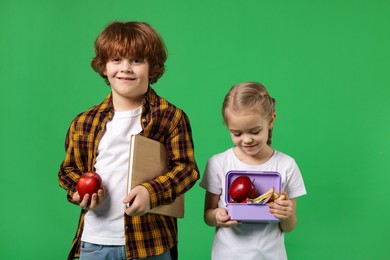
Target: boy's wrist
{"x":152,"y":195}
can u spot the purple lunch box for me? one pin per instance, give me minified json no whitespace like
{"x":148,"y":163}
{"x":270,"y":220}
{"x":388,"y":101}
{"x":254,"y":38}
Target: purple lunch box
{"x":253,"y":212}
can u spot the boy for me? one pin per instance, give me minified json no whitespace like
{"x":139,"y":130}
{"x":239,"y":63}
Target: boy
{"x":130,"y":57}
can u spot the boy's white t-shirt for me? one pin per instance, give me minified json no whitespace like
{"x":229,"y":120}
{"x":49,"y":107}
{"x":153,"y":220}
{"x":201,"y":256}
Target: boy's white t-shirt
{"x":105,"y":224}
{"x":250,"y":241}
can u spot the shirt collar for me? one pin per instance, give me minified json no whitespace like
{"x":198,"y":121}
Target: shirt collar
{"x":150,"y":96}
{"x":106,"y":105}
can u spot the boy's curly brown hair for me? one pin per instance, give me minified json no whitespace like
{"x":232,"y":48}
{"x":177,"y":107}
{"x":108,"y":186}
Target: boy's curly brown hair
{"x":130,"y":40}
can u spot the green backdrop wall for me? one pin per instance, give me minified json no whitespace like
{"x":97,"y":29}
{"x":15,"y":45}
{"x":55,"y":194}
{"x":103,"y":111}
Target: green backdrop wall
{"x":326,"y":63}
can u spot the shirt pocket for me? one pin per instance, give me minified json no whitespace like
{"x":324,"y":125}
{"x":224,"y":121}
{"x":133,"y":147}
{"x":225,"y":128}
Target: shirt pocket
{"x":83,"y":149}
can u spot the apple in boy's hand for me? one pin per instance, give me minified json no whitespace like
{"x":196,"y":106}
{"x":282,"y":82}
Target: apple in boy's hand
{"x":242,"y":188}
{"x":89,"y":183}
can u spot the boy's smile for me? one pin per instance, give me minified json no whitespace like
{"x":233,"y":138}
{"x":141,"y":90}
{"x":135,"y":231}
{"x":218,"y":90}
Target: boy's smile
{"x":126,"y":79}
{"x":129,"y":81}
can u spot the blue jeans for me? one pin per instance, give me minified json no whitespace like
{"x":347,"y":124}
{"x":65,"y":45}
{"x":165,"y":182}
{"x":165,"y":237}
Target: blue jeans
{"x":91,"y":251}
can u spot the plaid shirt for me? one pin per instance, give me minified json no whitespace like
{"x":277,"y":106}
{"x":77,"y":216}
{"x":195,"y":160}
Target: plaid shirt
{"x":149,"y":234}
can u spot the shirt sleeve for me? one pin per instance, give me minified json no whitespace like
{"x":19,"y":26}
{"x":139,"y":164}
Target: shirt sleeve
{"x":211,"y":180}
{"x":68,"y":173}
{"x":294,"y":186}
{"x":183,"y":171}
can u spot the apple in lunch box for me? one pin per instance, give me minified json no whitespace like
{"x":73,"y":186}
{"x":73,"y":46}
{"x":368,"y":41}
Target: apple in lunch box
{"x":89,"y":183}
{"x":242,"y":188}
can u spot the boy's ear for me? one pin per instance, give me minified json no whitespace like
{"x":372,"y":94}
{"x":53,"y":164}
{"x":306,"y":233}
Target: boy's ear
{"x":152,"y":73}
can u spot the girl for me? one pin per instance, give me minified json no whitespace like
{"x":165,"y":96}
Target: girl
{"x":249,"y":113}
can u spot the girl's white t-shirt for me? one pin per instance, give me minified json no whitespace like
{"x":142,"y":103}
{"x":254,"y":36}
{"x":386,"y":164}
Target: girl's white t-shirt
{"x":105,"y":224}
{"x":250,"y":241}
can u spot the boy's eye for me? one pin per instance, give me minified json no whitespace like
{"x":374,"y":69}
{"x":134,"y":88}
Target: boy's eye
{"x":115,"y":59}
{"x":136,"y":60}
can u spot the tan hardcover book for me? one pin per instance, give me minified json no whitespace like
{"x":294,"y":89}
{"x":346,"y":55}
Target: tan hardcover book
{"x":148,"y":160}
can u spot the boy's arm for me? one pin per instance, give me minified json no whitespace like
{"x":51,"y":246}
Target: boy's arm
{"x":183,"y":171}
{"x":68,"y":175}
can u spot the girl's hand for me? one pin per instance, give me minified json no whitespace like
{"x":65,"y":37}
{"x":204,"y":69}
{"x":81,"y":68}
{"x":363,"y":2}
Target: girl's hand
{"x":214,"y":216}
{"x":137,"y":201}
{"x":223,"y":219}
{"x":282,"y":209}
{"x":285,"y":210}
{"x":86,"y":203}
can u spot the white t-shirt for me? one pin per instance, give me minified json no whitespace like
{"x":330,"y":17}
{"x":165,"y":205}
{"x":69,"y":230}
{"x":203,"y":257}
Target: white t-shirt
{"x":254,"y":240}
{"x":105,"y":224}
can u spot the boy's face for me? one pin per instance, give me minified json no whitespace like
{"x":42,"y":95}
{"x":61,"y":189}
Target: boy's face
{"x":129,"y":80}
{"x":249,"y":133}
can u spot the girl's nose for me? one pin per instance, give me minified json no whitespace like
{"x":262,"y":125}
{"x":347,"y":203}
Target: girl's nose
{"x":248,"y":139}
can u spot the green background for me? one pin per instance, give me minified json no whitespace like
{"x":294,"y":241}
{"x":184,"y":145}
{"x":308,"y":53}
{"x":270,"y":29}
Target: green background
{"x":326,"y":63}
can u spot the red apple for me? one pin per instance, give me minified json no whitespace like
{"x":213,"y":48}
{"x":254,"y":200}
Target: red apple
{"x":242,"y":188}
{"x":89,"y":183}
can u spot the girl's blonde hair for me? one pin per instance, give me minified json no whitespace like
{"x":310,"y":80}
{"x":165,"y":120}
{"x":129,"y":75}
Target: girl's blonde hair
{"x":249,"y":97}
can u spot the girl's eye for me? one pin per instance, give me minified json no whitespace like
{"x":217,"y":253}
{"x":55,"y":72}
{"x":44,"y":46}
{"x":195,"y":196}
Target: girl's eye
{"x":236,"y":134}
{"x":255,"y":132}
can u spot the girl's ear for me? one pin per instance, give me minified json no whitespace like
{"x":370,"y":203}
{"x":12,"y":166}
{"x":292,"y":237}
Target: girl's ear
{"x":272,"y":120}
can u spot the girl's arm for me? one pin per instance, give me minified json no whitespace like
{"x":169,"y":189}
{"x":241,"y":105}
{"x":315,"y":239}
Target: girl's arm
{"x":214,"y":216}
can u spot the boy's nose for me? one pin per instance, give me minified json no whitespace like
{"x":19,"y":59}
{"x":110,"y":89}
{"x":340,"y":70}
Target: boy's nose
{"x":126,"y":66}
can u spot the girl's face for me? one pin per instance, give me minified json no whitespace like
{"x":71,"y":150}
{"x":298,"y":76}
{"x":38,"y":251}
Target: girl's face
{"x":249,"y":133}
{"x":129,"y":81}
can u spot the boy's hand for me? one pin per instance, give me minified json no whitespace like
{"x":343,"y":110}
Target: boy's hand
{"x":282,"y":209}
{"x":223,"y":219}
{"x":96,"y":199}
{"x":137,"y":201}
